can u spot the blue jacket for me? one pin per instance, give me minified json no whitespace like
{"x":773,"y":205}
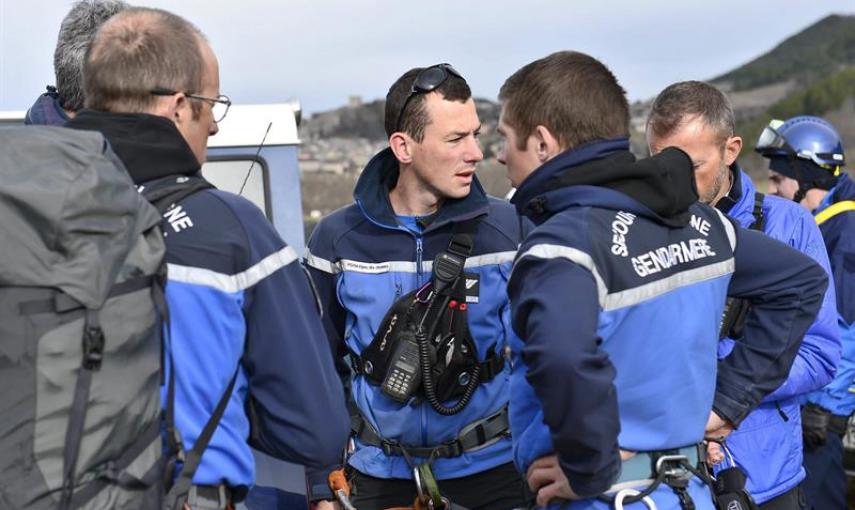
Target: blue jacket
{"x":47,"y":110}
{"x":617,"y":297}
{"x":239,"y":300}
{"x":362,"y":260}
{"x":839,"y":235}
{"x":768,"y":443}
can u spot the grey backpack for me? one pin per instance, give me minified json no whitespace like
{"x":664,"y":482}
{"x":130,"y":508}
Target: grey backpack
{"x":81,"y":315}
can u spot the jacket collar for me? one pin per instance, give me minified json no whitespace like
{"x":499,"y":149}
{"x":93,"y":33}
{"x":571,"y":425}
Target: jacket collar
{"x":372,"y":195}
{"x":150,"y":146}
{"x":605,"y":174}
{"x":740,"y":195}
{"x":844,"y":189}
{"x":47,"y":110}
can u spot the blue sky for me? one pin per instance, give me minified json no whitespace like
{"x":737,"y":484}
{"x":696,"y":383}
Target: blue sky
{"x":321,"y":52}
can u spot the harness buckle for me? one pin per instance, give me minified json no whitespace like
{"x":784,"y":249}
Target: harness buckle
{"x":673,"y":466}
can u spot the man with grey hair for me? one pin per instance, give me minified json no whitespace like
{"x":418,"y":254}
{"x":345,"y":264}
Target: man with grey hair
{"x":247,"y":350}
{"x":63,"y":100}
{"x":697,"y":118}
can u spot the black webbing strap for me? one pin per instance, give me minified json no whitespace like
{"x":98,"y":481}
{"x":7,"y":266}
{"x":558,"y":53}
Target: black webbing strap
{"x":463,"y":237}
{"x":165,"y":192}
{"x":759,"y":218}
{"x":736,"y":310}
{"x":62,"y":302}
{"x":473,"y":436}
{"x":116,"y":474}
{"x":175,"y":449}
{"x":178,"y":493}
{"x":93,"y":351}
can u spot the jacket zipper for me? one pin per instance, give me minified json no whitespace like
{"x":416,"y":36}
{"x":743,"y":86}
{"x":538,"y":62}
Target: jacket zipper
{"x":419,"y":259}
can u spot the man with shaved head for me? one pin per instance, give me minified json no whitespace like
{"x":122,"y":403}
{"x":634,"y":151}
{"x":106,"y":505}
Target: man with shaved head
{"x":247,"y":354}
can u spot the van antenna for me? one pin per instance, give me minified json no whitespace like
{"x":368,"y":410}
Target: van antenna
{"x":252,"y":165}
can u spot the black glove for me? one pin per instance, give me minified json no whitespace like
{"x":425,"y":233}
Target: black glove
{"x":814,"y":425}
{"x":729,"y":491}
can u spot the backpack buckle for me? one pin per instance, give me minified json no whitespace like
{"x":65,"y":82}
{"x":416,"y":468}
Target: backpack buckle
{"x":93,"y":347}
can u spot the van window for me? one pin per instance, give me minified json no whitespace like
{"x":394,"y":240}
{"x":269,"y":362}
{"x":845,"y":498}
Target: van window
{"x":229,"y":175}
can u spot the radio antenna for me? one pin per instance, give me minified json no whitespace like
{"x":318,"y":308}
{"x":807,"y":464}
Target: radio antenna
{"x":255,"y":159}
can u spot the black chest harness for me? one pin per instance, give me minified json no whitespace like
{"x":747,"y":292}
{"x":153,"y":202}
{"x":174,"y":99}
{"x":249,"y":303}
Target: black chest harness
{"x":423,"y":346}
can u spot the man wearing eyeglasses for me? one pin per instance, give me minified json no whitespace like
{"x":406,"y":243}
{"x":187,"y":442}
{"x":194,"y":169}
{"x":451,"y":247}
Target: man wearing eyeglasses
{"x":245,"y":339}
{"x":411,"y":202}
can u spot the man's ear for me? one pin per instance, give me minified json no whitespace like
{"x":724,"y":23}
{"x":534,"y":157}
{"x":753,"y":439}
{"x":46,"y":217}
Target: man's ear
{"x":732,"y":148}
{"x":402,"y":147}
{"x":172,"y":108}
{"x":546,"y":145}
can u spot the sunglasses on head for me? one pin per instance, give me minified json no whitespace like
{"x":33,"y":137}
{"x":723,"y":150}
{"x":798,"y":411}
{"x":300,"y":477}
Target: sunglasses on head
{"x":428,"y":80}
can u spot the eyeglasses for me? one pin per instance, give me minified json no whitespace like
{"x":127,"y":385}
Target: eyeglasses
{"x":219,"y":105}
{"x":428,"y":80}
{"x":772,"y":141}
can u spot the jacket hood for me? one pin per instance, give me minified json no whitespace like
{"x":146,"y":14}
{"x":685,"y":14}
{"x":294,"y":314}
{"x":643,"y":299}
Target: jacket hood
{"x":380,"y":175}
{"x":47,"y":110}
{"x":663,"y":185}
{"x":150,"y":146}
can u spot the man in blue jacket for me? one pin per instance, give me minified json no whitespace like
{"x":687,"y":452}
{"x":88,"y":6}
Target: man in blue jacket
{"x":78,"y":28}
{"x":412,"y":202}
{"x":697,"y":118}
{"x":246,"y":341}
{"x":806,"y":166}
{"x":617,"y":296}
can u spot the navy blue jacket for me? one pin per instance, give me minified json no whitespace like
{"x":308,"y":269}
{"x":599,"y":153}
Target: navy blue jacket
{"x":617,"y":297}
{"x":362,"y":260}
{"x":767,"y":446}
{"x":239,"y":300}
{"x":47,"y":110}
{"x":839,"y":235}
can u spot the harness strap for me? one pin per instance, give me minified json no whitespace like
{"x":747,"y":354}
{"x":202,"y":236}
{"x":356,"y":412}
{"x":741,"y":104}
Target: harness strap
{"x":833,"y":210}
{"x":759,"y":218}
{"x":736,"y":310}
{"x":674,"y":468}
{"x":472,"y":437}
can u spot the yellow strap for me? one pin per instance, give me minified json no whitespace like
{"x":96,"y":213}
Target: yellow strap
{"x":834,"y":210}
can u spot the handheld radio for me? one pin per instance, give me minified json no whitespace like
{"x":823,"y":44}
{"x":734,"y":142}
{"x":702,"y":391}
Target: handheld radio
{"x":404,"y":375}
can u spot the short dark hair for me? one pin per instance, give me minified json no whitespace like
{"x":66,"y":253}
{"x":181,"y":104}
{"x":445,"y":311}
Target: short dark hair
{"x":139,"y":50}
{"x":684,"y":100}
{"x":415,"y":118}
{"x":76,"y":32}
{"x":572,"y":94}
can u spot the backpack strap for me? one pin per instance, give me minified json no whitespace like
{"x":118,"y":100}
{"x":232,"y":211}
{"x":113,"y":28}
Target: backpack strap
{"x":165,"y":192}
{"x":759,"y":217}
{"x":178,"y":493}
{"x":833,"y":210}
{"x":93,"y":351}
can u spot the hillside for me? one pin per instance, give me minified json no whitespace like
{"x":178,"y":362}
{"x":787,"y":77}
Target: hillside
{"x":811,"y":72}
{"x":813,"y":53}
